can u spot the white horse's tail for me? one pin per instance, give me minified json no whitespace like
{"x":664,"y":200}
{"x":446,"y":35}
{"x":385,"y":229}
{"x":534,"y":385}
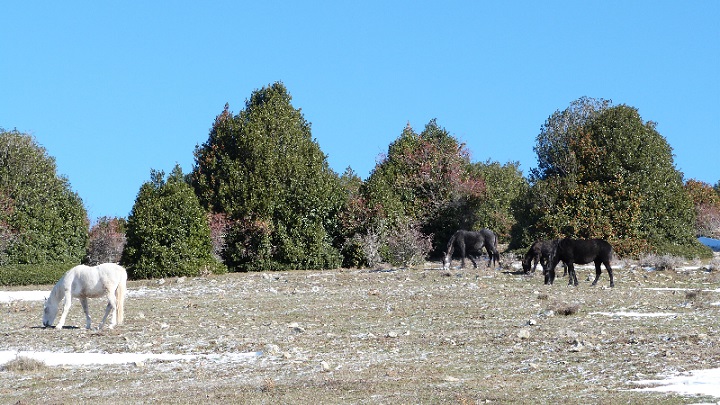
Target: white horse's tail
{"x":120,"y":298}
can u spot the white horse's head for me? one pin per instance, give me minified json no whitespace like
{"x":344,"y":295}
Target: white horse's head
{"x":50,"y":312}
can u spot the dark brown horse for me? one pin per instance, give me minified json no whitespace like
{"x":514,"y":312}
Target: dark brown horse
{"x":471,"y":243}
{"x":579,"y":251}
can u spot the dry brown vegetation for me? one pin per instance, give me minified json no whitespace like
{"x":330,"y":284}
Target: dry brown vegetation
{"x":418,"y":335}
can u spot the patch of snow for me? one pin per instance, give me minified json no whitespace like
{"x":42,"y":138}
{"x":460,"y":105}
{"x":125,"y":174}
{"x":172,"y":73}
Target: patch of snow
{"x":698,"y":382}
{"x":88,"y":359}
{"x":9,"y":296}
{"x":636,"y":314}
{"x":717,"y":290}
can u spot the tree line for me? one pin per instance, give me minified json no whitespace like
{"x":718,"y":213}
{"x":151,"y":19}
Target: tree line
{"x":261,"y":196}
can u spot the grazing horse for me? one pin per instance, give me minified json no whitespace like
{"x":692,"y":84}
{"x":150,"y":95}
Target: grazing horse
{"x":104,"y":280}
{"x":580,"y":251}
{"x":470,"y":243}
{"x":540,"y":251}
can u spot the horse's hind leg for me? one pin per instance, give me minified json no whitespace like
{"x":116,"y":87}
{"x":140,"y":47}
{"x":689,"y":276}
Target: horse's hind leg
{"x":111,"y":306}
{"x":84,"y":303}
{"x":572,"y":277}
{"x":610,"y":272}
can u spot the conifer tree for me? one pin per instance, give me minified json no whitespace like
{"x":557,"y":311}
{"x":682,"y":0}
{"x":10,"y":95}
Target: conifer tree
{"x":168,"y":232}
{"x":42,"y":221}
{"x":605,"y":173}
{"x":264,"y":170}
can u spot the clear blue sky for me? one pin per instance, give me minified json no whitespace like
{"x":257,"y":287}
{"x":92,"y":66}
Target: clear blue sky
{"x":114,"y":89}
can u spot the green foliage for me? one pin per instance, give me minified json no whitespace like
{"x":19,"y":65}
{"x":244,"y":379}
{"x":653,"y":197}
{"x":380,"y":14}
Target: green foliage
{"x":706,"y":200}
{"x":605,"y":173}
{"x":263,"y":169}
{"x":41,"y":219}
{"x":504,"y":185}
{"x":33,"y":274}
{"x":426,"y":179}
{"x":167,"y":231}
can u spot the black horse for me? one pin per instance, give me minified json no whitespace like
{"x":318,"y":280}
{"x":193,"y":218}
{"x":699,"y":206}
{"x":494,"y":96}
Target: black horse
{"x":580,"y":251}
{"x":471,"y":243}
{"x":539,"y":252}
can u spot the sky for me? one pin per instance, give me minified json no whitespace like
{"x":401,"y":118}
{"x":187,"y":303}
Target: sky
{"x":114,"y":89}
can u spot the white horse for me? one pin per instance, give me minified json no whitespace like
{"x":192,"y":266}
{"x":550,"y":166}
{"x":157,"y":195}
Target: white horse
{"x":104,"y":280}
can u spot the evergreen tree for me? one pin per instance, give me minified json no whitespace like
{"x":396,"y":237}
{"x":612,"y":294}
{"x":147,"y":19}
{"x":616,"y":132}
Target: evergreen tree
{"x":262,"y":168}
{"x":167,"y":231}
{"x":426,"y":179}
{"x":504,"y":185}
{"x":605,"y":173}
{"x":42,"y":220}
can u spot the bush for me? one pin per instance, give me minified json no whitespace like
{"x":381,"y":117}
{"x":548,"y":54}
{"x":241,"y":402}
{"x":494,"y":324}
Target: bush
{"x":107,"y":241}
{"x":353,"y":253}
{"x":33,"y":274}
{"x":168,"y":233}
{"x":606,"y":173}
{"x":41,"y":219}
{"x":661,"y":262}
{"x":407,"y":246}
{"x":263,"y":169}
{"x":714,"y":264}
{"x":23,"y":364}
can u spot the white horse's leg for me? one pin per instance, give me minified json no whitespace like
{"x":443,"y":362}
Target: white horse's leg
{"x":111,"y":306}
{"x":84,"y":303}
{"x":66,"y":309}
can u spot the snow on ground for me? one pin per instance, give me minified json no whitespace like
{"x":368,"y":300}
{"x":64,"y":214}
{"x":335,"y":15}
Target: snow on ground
{"x":9,"y":296}
{"x":636,"y":314}
{"x":88,"y":359}
{"x":698,"y":382}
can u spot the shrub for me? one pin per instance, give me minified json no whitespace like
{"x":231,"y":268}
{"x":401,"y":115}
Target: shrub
{"x":714,"y":264}
{"x":708,"y":220}
{"x":41,"y":219}
{"x":407,"y":246}
{"x":107,"y":241}
{"x":606,"y":173}
{"x":23,"y":364}
{"x":373,"y":244}
{"x":353,"y":253}
{"x":263,"y":169}
{"x":167,"y":232}
{"x":661,"y":262}
{"x":32,"y":274}
{"x":220,"y":224}
{"x":566,"y":308}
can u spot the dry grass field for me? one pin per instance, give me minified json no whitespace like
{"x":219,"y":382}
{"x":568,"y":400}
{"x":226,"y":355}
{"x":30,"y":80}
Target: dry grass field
{"x":394,"y":336}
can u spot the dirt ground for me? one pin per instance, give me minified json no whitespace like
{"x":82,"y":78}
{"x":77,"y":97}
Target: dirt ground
{"x":421,"y":335}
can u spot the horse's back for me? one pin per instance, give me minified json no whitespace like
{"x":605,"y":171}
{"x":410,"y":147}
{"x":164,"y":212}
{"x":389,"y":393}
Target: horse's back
{"x":96,"y":280}
{"x":112,"y":269}
{"x":583,"y":251}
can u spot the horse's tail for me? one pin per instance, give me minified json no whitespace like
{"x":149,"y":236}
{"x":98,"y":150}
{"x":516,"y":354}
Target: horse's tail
{"x":496,"y":255}
{"x":120,"y":298}
{"x":451,"y":245}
